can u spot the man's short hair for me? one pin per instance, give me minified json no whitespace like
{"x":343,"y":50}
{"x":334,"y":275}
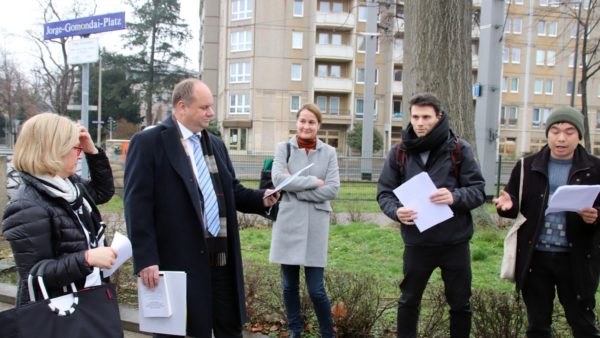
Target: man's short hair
{"x":426,"y":99}
{"x":43,"y":142}
{"x":184,"y":91}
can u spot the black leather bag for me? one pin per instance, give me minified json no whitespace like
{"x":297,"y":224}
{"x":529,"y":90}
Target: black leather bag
{"x":87,"y":313}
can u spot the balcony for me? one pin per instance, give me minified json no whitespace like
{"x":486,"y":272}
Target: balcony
{"x":399,"y":25}
{"x":338,"y":21}
{"x":333,"y":84}
{"x":475,"y":32}
{"x":337,"y":116}
{"x":334,"y":52}
{"x":397,"y":87}
{"x":475,"y":61}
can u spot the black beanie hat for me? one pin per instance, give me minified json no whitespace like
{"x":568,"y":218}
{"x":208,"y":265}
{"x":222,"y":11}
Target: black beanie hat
{"x":566,"y":114}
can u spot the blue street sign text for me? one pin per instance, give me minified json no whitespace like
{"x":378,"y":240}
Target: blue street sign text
{"x":83,"y":26}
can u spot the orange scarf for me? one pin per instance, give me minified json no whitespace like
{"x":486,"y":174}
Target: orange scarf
{"x":307,"y":144}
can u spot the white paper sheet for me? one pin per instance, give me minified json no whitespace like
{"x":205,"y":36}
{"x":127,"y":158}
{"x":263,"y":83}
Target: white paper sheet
{"x":155,"y":302}
{"x":573,"y":198}
{"x":288,"y":180}
{"x":177,"y":293}
{"x":122,"y":246}
{"x":414,"y":194}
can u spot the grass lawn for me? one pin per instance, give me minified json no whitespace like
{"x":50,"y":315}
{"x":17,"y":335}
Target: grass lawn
{"x":370,"y":249}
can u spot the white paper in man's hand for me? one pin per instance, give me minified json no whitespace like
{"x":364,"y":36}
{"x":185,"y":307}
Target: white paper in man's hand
{"x":414,"y":194}
{"x":573,"y":198}
{"x":122,"y":246}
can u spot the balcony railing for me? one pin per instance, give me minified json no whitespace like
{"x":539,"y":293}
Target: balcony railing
{"x":334,"y":52}
{"x":333,"y":84}
{"x":397,"y":87}
{"x":338,"y":20}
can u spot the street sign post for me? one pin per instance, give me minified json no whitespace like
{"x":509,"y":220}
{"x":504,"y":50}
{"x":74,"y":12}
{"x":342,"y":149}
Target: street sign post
{"x":84,"y":51}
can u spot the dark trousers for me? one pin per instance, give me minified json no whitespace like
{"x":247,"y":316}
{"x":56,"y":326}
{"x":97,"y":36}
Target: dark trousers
{"x":290,"y":276}
{"x":549,"y":272}
{"x":419,"y":263}
{"x":226,"y":320}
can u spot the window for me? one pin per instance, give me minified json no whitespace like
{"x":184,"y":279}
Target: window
{"x":323,"y":38}
{"x":514,"y":85}
{"x":552,"y":28}
{"x":549,"y":90}
{"x":322,"y":103}
{"x":324,"y":6}
{"x":298,"y":8}
{"x":544,"y":3}
{"x":554,"y":3}
{"x":361,"y":43}
{"x":507,"y":26}
{"x":362,"y":13}
{"x":505,"y":55}
{"x":334,"y":105}
{"x":241,"y":9}
{"x":574,"y":30}
{"x":322,"y":70}
{"x":517,"y":25}
{"x":397,"y":74}
{"x":237,"y":139}
{"x":572,"y":60}
{"x":336,"y":71}
{"x":360,"y":108}
{"x":569,"y":88}
{"x":360,"y":75}
{"x":239,"y":104}
{"x":540,"y":115}
{"x":598,"y":119}
{"x":508,"y":116}
{"x":297,"y":40}
{"x":504,"y":84}
{"x":541,"y":28}
{"x":336,"y":39}
{"x":550,"y":58}
{"x":539,"y":57}
{"x":337,"y":7}
{"x":398,"y":44}
{"x":397,"y":106}
{"x":241,"y":41}
{"x":239,"y":72}
{"x":296,"y":72}
{"x":516,"y":55}
{"x":538,"y":86}
{"x":518,"y":2}
{"x":294,"y":103}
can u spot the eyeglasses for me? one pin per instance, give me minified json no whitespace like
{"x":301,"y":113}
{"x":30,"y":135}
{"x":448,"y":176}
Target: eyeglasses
{"x":79,"y":149}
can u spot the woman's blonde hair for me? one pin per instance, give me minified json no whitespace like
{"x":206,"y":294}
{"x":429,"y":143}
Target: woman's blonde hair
{"x":43,"y":142}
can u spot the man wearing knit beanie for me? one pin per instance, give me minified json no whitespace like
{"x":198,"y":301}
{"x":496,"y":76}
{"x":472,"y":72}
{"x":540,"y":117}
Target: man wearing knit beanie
{"x":566,"y":114}
{"x":557,"y":252}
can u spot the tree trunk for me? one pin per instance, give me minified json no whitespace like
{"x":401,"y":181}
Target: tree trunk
{"x":437,"y":58}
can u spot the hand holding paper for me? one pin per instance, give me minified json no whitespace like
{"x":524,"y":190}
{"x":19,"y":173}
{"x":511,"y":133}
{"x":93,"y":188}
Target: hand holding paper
{"x":572,"y":198}
{"x":287,"y":181}
{"x":122,"y":246}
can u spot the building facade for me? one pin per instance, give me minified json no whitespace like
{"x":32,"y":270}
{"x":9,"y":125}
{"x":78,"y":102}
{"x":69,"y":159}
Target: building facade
{"x":273,"y":56}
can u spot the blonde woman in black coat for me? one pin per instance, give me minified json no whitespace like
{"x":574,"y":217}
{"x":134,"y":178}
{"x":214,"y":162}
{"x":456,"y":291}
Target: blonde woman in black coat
{"x":53,"y":215}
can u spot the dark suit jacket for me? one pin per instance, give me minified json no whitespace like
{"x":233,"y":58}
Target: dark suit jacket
{"x":163,"y":215}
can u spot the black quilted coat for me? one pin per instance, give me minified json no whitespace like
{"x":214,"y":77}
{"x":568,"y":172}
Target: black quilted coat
{"x":40,"y":226}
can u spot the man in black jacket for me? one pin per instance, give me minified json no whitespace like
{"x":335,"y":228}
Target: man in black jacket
{"x":560,"y":250}
{"x":428,"y":145}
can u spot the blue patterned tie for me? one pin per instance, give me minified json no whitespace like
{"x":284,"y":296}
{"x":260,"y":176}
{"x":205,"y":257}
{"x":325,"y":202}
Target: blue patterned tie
{"x":211,"y":207}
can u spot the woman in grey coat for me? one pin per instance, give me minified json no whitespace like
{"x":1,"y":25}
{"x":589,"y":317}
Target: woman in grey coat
{"x":301,"y":231}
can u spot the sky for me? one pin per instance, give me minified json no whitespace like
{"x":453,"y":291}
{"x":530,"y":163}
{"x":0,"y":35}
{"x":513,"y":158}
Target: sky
{"x":18,"y":17}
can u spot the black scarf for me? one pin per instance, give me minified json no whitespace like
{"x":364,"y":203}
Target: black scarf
{"x":217,"y":246}
{"x":431,"y":141}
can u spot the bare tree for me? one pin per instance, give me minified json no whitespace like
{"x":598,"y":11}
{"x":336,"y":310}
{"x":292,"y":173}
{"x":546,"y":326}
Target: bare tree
{"x":437,"y":57}
{"x":17,"y":99}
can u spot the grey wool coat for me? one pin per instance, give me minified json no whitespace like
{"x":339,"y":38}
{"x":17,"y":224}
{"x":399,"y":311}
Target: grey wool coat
{"x":300,"y":234}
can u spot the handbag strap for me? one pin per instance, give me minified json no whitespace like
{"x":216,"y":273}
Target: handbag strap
{"x":37,"y":271}
{"x":521,"y":182}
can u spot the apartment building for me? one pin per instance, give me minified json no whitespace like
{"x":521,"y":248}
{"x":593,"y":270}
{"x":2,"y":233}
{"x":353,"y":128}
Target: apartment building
{"x":276,"y":55}
{"x":538,"y":64}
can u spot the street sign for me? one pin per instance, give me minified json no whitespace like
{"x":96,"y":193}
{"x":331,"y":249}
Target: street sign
{"x":97,"y":122}
{"x":84,"y":26}
{"x":82,"y":51}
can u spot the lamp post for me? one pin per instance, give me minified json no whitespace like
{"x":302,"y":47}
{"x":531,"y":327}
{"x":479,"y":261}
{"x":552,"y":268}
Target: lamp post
{"x":573,"y":90}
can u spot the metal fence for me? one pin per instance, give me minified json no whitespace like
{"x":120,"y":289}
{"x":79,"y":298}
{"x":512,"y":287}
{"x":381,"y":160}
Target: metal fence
{"x":248,"y":167}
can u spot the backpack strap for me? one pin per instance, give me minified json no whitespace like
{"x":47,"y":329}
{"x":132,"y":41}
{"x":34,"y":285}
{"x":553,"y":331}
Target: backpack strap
{"x":289,"y":150}
{"x":400,"y":158}
{"x":456,"y":155}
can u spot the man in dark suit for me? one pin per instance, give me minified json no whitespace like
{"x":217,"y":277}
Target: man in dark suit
{"x":181,"y":197}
